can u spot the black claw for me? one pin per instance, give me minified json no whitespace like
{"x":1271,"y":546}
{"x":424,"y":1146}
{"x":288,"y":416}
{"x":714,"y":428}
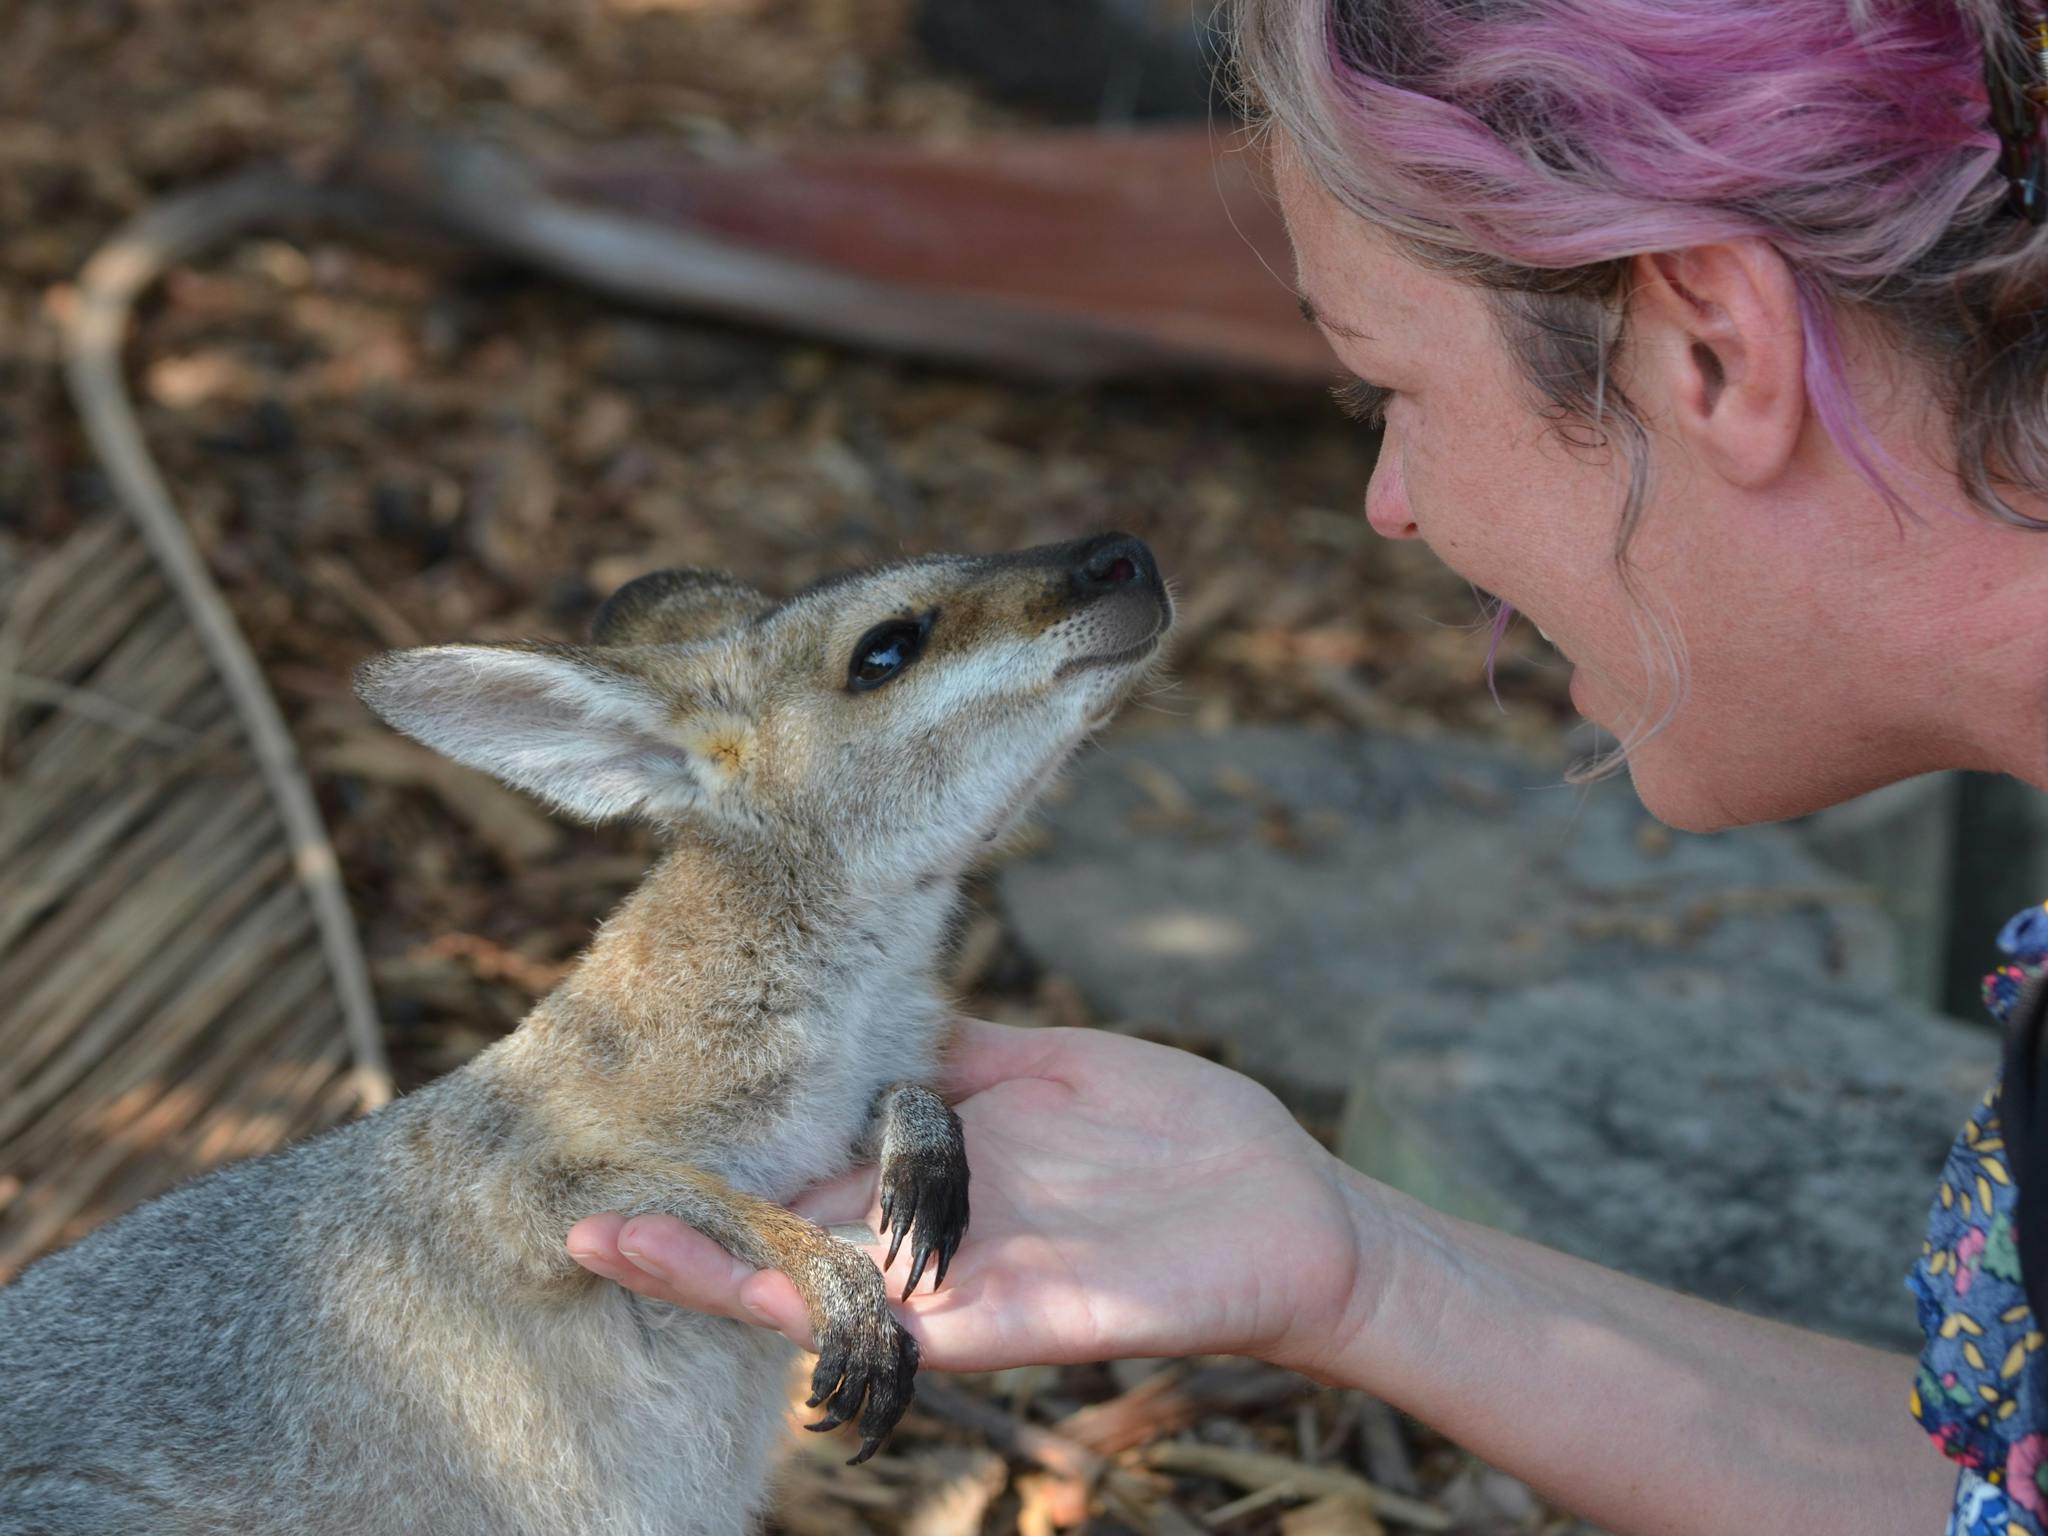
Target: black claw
{"x":871,"y":1439}
{"x":841,"y":1408}
{"x":895,"y":1242}
{"x":891,"y":1396}
{"x":826,"y":1376}
{"x":929,"y":1212}
{"x":878,"y":1386}
{"x":917,"y":1264}
{"x":925,"y":1209}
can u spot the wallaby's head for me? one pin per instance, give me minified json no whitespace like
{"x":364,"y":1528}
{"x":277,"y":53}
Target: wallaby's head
{"x":906,"y":713}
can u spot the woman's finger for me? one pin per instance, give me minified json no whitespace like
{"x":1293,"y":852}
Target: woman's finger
{"x":658,"y":1256}
{"x":594,"y":1243}
{"x":847,"y":1199}
{"x":695,"y":1272}
{"x":980,"y":1055}
{"x":770,"y":1298}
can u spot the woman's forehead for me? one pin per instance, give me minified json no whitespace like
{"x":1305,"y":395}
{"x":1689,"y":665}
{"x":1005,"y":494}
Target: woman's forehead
{"x":1356,"y":284}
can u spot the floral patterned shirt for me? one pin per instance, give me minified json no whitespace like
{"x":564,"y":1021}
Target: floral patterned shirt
{"x":1982,"y":1387}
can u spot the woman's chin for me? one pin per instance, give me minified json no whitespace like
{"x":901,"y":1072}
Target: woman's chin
{"x":1686,"y":788}
{"x":1679,"y":805}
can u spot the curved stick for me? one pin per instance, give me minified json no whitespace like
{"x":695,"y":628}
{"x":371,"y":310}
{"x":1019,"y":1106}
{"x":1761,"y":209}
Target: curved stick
{"x":116,"y":276}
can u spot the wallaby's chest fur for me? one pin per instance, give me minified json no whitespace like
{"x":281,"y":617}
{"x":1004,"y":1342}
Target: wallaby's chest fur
{"x":724,"y":1015}
{"x":381,"y":1330}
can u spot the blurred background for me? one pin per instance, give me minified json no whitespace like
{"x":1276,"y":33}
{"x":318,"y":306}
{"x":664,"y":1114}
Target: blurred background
{"x":394,"y":426}
{"x":376,"y":447}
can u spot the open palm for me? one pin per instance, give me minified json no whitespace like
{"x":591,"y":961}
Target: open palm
{"x":1128,"y":1199}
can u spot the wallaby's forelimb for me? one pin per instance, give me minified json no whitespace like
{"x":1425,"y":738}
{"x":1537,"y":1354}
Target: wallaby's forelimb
{"x":866,"y":1361}
{"x":924,"y":1177}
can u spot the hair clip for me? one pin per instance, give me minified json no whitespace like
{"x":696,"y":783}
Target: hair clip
{"x":2016,"y":111}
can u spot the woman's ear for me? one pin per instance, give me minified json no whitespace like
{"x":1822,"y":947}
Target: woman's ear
{"x":1719,"y":345}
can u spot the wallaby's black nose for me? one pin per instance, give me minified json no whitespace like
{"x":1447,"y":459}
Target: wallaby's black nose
{"x":1114,"y":560}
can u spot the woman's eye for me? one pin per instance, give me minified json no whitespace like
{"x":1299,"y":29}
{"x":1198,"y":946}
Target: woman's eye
{"x":884,"y":652}
{"x":1362,"y":401}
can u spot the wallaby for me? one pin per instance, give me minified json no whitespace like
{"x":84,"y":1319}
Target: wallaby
{"x":380,"y":1330}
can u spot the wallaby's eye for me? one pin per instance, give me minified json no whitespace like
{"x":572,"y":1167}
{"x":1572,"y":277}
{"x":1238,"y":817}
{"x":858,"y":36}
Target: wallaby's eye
{"x":885,"y":651}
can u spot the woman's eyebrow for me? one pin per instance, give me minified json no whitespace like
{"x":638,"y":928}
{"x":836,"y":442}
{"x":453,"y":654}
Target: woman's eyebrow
{"x":1314,"y":316}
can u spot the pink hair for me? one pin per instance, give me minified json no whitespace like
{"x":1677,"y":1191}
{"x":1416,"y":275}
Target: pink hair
{"x":1536,"y":146}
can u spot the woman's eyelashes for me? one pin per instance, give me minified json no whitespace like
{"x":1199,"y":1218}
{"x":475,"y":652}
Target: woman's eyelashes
{"x":1362,"y":401}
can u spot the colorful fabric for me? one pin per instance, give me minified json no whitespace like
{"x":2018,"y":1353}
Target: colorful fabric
{"x":1982,"y":1388}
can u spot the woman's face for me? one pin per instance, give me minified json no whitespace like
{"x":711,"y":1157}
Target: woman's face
{"x":1471,"y":466}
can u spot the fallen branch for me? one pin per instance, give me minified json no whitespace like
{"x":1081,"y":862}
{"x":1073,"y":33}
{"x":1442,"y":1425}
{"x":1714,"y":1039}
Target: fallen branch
{"x":94,"y":324}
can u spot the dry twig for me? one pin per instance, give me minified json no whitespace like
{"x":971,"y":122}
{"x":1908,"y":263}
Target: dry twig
{"x":1253,"y":1470}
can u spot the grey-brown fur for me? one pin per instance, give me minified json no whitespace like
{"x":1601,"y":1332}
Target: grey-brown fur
{"x":380,"y":1330}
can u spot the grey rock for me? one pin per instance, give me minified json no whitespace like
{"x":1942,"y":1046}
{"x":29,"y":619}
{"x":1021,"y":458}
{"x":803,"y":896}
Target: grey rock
{"x":1901,"y":842}
{"x":1262,"y":890}
{"x":1768,"y":1142}
{"x":1680,"y":1056}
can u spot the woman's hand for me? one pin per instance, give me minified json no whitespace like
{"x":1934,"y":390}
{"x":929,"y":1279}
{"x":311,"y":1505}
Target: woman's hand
{"x":1129,"y":1199}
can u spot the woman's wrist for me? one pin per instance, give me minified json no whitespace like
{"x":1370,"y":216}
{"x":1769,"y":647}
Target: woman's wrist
{"x":1365,"y":1334}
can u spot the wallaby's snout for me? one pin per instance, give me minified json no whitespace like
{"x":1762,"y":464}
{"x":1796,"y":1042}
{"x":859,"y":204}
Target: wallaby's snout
{"x":1123,"y":603}
{"x":1116,"y":563}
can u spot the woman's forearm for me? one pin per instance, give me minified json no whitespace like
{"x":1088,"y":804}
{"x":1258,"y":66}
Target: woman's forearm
{"x":1637,"y":1408}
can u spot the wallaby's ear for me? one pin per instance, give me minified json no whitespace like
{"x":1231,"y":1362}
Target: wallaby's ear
{"x":565,"y":723}
{"x":674,"y":608}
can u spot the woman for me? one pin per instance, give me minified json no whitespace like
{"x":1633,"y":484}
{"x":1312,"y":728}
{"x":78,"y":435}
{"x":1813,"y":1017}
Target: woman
{"x":1706,"y":335}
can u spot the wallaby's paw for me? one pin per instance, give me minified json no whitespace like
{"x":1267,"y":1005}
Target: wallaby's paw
{"x":866,"y":1366}
{"x":924,"y":1188}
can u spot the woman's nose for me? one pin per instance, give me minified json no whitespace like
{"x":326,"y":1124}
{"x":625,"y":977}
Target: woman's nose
{"x":1386,"y":499}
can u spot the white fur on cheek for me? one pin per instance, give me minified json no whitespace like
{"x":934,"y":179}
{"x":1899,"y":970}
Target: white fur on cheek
{"x":936,"y":695}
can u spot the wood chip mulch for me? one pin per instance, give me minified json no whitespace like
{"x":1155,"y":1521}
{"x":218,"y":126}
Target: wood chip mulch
{"x":379,"y":445}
